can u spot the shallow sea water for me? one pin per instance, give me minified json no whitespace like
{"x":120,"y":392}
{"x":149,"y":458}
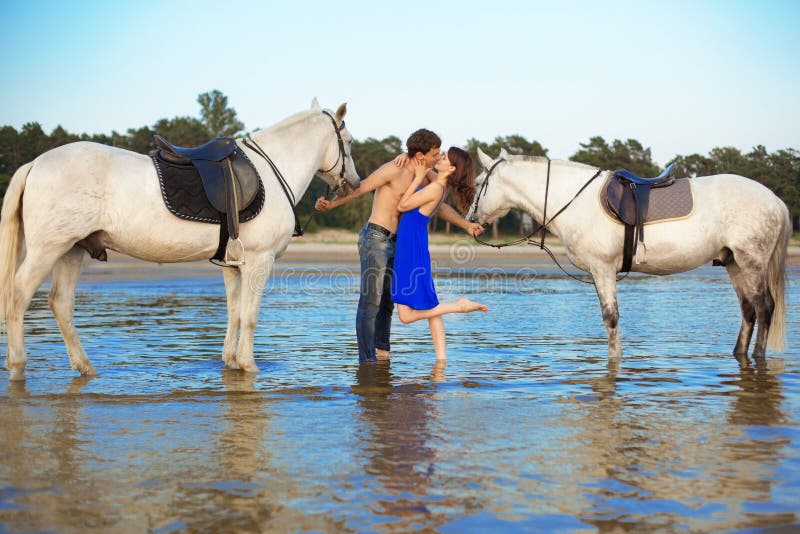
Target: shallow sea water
{"x":526,"y":428}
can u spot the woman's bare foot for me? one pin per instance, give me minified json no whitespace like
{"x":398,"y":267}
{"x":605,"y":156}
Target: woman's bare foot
{"x":465,"y":306}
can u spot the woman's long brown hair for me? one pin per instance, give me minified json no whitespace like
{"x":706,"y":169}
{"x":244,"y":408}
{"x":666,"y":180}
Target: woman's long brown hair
{"x":462,"y":181}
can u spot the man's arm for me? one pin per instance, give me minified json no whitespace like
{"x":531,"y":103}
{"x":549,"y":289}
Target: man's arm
{"x":450,"y":215}
{"x":378,"y":178}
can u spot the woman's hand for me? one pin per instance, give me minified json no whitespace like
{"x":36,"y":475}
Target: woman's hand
{"x":420,"y":170}
{"x":401,"y":160}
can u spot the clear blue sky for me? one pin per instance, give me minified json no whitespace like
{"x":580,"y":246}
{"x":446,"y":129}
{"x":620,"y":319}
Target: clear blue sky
{"x":679,"y":76}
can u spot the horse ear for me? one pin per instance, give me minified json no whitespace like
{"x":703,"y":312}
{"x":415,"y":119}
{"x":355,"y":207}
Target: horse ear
{"x":503,"y":154}
{"x":485,"y":160}
{"x":341,"y":112}
{"x":315,"y":104}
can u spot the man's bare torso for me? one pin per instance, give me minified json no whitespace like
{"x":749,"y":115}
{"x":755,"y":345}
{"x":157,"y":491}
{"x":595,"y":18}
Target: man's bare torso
{"x":387,"y":197}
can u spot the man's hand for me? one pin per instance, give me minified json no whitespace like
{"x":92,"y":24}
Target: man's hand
{"x":322,"y":204}
{"x":474,"y":229}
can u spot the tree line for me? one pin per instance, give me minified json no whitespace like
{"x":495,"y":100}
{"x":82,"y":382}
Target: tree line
{"x":779,"y":170}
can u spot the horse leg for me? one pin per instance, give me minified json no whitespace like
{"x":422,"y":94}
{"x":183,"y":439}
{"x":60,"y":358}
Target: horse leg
{"x":254,"y":279}
{"x":748,"y":312}
{"x":233,"y":292}
{"x":764,"y":305}
{"x":62,"y":301}
{"x":605,"y":283}
{"x":30,"y":275}
{"x":752,"y":279}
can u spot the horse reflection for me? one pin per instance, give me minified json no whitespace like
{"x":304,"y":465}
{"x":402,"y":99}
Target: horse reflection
{"x":231,"y":496}
{"x":58,"y":457}
{"x":660,"y":447}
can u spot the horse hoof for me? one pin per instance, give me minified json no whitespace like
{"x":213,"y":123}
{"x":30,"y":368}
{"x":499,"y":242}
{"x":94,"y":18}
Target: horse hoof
{"x":89,"y":371}
{"x":17,"y":375}
{"x":230,"y":364}
{"x":250,"y":368}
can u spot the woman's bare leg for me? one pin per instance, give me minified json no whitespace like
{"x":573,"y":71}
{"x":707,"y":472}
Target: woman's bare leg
{"x":462,"y":305}
{"x":438,"y":336}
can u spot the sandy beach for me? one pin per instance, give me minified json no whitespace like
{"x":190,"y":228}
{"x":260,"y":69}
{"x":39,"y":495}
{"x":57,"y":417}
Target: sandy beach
{"x":336,"y":248}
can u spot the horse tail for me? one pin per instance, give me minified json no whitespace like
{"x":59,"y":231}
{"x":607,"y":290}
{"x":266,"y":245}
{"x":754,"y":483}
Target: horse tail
{"x":10,"y":242}
{"x":776,"y":279}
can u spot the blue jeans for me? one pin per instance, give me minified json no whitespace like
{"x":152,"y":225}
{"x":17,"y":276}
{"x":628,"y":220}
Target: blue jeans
{"x":375,"y":306}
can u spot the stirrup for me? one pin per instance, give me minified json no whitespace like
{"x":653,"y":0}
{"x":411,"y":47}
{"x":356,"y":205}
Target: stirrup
{"x":641,"y":254}
{"x":234,"y":255}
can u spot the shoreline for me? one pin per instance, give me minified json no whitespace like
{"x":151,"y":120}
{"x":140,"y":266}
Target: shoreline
{"x":338,"y":249}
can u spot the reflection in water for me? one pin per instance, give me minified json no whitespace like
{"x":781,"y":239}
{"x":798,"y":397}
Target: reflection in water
{"x":231,"y":497}
{"x":527,"y":428}
{"x":636,"y":454}
{"x":397,"y":422}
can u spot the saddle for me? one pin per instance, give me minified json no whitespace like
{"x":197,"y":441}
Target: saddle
{"x":627,"y":197}
{"x":229,"y":180}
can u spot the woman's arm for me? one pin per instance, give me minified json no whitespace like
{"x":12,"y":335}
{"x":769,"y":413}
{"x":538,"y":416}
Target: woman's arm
{"x":414,"y":199}
{"x":449,"y":214}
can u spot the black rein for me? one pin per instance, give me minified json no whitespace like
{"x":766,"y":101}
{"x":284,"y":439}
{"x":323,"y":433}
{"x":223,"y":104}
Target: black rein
{"x":250,"y":143}
{"x":542,"y":227}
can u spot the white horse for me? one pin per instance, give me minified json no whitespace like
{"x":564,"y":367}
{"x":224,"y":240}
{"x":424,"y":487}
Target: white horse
{"x":736,"y":221}
{"x":87,"y":195}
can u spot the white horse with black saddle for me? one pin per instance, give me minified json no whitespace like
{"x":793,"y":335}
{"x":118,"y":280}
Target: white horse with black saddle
{"x":736,"y":222}
{"x":86,"y":197}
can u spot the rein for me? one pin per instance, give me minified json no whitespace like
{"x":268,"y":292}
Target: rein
{"x":542,"y":227}
{"x":250,"y":143}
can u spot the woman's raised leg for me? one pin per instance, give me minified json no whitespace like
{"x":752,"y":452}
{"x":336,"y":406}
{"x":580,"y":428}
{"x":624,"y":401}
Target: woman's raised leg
{"x":462,"y":305}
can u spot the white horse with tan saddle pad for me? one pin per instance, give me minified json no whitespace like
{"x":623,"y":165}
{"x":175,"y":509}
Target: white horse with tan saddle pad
{"x":83,"y":198}
{"x":735,"y":222}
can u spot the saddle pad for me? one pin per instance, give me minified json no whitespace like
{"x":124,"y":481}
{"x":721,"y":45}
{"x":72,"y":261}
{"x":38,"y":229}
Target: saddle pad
{"x":184,"y":196}
{"x":666,"y":203}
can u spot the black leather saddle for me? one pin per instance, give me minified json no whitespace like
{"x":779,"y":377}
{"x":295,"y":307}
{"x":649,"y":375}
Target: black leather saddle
{"x":229,"y":180}
{"x":628,"y":197}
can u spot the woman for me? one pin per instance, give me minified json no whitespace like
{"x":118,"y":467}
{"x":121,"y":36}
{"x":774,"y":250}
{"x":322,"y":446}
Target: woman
{"x":412,"y":282}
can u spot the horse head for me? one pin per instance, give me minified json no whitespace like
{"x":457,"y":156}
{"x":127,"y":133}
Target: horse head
{"x":338,"y":168}
{"x":490,"y":201}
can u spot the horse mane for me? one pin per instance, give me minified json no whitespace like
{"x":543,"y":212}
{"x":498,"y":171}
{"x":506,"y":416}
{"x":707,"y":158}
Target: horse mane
{"x":544,"y":160}
{"x":288,"y":122}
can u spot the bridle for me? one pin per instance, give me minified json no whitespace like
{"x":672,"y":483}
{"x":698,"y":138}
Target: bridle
{"x":250,"y":143}
{"x":545,"y":222}
{"x":342,"y":154}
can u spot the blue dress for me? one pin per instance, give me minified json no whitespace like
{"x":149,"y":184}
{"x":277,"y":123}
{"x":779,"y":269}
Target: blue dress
{"x":412,"y":281}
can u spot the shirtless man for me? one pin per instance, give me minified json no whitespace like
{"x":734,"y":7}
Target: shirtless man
{"x":377,"y":238}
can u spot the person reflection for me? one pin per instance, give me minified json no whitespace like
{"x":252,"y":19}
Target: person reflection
{"x":397,"y":421}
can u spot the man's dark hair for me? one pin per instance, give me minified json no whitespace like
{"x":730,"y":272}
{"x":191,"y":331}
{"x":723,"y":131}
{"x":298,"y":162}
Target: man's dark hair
{"x":422,"y":141}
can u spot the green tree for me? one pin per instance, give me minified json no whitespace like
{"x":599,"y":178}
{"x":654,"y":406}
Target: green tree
{"x":629,"y":155}
{"x":140,"y":140}
{"x":33,"y":141}
{"x":10,"y":150}
{"x":59,"y":136}
{"x":217,"y":117}
{"x":182,"y":131}
{"x":693,"y":165}
{"x":513,"y":144}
